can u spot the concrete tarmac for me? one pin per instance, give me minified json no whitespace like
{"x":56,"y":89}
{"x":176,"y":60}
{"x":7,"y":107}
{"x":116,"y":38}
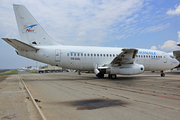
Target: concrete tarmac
{"x":68,"y":96}
{"x":14,"y":104}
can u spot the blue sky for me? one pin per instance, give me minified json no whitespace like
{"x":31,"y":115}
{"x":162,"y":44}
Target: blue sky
{"x":149,"y":24}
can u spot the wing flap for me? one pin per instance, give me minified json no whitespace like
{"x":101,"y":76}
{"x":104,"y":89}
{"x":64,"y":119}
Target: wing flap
{"x":19,"y":45}
{"x":127,"y":56}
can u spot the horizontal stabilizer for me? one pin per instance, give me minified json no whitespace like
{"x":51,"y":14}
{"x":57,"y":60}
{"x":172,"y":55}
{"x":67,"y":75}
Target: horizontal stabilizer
{"x":19,"y":45}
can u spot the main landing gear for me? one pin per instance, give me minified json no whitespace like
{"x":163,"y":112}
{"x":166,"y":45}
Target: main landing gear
{"x":162,"y":74}
{"x":100,"y":75}
{"x":110,"y":76}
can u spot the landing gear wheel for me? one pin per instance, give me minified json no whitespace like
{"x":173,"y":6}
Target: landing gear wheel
{"x":100,"y":75}
{"x":112,"y":76}
{"x":162,"y":75}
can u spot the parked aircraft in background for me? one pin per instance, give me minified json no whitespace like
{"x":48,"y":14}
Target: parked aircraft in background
{"x":36,"y":44}
{"x":176,"y":54}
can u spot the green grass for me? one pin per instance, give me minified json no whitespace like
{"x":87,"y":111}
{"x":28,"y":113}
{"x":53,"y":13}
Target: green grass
{"x":29,"y":71}
{"x":10,"y":72}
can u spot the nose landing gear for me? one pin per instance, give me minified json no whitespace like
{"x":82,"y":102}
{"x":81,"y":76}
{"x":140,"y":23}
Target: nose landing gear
{"x":162,"y":74}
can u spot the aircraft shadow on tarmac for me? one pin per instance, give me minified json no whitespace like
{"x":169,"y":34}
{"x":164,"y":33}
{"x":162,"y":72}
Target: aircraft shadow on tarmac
{"x":90,"y":104}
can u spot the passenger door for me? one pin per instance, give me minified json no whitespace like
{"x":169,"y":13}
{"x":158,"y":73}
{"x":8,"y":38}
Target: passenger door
{"x":57,"y":55}
{"x":165,"y":58}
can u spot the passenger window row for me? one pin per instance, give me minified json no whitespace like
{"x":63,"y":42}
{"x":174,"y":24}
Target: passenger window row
{"x":148,"y":56}
{"x":92,"y":55}
{"x":110,"y":55}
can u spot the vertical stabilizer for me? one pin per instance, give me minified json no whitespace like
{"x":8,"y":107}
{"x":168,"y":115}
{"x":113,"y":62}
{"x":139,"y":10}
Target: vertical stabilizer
{"x":29,"y":29}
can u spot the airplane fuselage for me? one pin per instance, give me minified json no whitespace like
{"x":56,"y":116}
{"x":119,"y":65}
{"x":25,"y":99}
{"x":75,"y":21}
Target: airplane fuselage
{"x":84,"y":57}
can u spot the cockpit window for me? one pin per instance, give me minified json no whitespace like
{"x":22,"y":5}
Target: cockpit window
{"x":172,"y":56}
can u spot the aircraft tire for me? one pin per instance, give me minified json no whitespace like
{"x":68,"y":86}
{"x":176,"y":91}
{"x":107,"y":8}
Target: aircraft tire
{"x":112,"y":76}
{"x":162,"y":75}
{"x":100,"y":75}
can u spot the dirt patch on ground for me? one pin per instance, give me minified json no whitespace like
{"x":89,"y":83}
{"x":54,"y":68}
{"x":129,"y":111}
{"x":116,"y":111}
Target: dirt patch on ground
{"x":3,"y":78}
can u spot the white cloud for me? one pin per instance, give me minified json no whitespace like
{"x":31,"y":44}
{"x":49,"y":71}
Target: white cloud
{"x":153,"y":48}
{"x":174,"y":12}
{"x":169,"y":45}
{"x":82,"y":33}
{"x":70,"y":21}
{"x":155,"y":28}
{"x":86,"y":21}
{"x":65,"y":20}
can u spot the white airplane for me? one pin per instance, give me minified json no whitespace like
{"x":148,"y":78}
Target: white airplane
{"x":36,"y":44}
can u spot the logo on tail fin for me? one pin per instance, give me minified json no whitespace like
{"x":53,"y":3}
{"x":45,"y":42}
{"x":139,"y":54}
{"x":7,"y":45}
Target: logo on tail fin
{"x":29,"y":28}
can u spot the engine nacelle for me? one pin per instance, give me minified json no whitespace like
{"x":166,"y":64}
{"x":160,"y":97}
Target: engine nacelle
{"x":126,"y":69}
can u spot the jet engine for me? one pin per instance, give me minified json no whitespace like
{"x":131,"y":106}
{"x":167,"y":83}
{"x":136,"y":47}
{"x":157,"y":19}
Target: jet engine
{"x":126,"y":69}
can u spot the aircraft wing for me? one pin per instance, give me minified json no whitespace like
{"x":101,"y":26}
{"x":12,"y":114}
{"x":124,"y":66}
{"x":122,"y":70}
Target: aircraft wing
{"x":127,"y":56}
{"x":19,"y":45}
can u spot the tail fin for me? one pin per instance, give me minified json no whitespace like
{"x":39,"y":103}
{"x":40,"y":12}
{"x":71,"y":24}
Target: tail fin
{"x":29,"y":29}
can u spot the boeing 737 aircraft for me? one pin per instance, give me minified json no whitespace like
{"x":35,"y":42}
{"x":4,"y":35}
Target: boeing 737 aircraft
{"x":36,"y":44}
